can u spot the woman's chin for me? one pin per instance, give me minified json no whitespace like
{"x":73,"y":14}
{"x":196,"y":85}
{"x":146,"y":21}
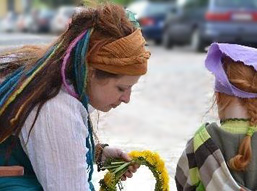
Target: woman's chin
{"x":106,"y":109}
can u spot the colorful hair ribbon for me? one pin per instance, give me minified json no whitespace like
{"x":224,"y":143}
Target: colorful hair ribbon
{"x":65,"y":61}
{"x":78,"y":50}
{"x":10,"y":88}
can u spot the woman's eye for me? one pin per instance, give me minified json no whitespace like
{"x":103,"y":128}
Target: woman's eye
{"x":121,"y":89}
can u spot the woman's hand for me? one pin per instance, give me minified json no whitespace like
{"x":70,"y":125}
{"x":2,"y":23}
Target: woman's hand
{"x":110,"y":152}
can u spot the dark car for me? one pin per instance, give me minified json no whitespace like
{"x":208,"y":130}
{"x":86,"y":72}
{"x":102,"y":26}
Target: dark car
{"x":201,"y":22}
{"x":62,"y":18}
{"x":151,"y":15}
{"x":41,"y":20}
{"x":23,"y":22}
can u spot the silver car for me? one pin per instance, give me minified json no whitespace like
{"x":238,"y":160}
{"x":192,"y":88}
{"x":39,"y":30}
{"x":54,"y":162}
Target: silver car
{"x":201,"y":22}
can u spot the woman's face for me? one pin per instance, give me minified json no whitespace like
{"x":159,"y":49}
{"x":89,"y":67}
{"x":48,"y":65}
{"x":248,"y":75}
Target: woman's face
{"x":110,"y":93}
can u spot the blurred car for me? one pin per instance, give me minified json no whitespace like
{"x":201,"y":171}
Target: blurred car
{"x":201,"y":22}
{"x":1,"y":24}
{"x":23,"y":23}
{"x":62,"y":18}
{"x":8,"y":23}
{"x":41,"y":20}
{"x":151,"y":16}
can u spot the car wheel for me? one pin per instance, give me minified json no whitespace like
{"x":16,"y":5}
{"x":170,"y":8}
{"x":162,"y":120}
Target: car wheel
{"x":196,"y":42}
{"x":166,"y":40}
{"x":158,"y":41}
{"x":34,"y":28}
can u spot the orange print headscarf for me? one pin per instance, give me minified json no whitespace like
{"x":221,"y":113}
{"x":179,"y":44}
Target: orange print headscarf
{"x":126,"y":56}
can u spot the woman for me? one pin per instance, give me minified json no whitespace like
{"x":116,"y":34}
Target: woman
{"x":45,"y":104}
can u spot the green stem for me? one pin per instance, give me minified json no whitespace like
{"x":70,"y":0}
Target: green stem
{"x":118,"y":162}
{"x":122,"y":167}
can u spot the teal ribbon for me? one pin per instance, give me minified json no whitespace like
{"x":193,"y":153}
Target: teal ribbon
{"x":80,"y":75}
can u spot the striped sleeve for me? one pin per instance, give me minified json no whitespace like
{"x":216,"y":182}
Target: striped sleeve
{"x":187,"y":175}
{"x":202,"y":166}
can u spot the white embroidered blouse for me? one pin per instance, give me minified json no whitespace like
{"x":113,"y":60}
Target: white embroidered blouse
{"x":57,"y":144}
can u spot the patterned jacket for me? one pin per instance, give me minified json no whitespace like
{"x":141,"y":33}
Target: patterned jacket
{"x":202,"y":166}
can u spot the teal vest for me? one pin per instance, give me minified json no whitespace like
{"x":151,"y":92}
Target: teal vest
{"x":17,"y":156}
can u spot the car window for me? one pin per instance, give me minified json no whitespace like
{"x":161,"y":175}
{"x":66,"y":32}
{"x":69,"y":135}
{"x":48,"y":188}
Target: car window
{"x":157,"y":8}
{"x":202,"y":2}
{"x":46,"y":13}
{"x":236,"y":3}
{"x":66,"y":11}
{"x":193,"y":3}
{"x":142,"y":9}
{"x":69,"y":12}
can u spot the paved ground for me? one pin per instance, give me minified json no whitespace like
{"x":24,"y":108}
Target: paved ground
{"x":9,"y":40}
{"x":167,"y":106}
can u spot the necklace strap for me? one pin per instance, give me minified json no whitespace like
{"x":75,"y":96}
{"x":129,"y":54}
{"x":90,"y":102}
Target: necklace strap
{"x":233,"y":119}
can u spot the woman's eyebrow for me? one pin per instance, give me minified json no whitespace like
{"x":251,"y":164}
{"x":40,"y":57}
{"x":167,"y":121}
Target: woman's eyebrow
{"x":125,"y":86}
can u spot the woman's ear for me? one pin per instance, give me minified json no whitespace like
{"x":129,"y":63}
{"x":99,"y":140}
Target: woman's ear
{"x":91,"y":73}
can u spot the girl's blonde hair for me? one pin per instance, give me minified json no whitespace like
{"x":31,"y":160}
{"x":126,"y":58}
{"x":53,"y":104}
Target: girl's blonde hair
{"x":245,"y":78}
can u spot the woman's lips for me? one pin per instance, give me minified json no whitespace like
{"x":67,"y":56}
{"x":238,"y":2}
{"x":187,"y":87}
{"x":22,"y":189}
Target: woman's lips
{"x":114,"y":106}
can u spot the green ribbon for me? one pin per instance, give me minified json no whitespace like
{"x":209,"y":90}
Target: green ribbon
{"x":251,"y":131}
{"x":132,"y":18}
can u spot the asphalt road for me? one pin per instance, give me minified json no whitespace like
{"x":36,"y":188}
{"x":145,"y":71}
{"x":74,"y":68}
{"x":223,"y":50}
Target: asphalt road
{"x":10,"y":40}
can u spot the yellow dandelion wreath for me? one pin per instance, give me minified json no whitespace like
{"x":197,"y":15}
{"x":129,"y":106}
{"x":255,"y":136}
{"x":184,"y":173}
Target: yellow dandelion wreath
{"x":147,"y":158}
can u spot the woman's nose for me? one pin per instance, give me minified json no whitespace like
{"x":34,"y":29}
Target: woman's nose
{"x":126,"y":96}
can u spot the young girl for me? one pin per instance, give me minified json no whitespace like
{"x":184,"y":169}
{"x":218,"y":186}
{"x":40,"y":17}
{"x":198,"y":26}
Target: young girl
{"x":224,"y":157}
{"x":45,"y":103}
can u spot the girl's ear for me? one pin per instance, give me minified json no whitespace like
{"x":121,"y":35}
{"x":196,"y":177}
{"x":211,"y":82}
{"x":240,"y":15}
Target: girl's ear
{"x":217,"y":96}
